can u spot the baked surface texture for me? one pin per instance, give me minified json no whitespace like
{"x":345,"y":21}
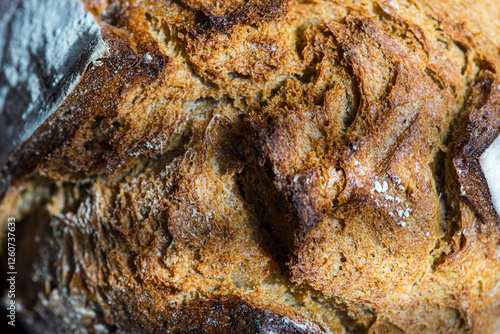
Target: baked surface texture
{"x":268,"y":167}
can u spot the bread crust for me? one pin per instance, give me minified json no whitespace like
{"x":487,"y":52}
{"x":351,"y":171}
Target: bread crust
{"x":260,"y":166}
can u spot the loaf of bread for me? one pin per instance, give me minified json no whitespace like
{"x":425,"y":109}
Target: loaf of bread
{"x":263,"y":166}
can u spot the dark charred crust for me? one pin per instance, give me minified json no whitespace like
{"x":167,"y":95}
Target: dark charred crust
{"x":474,"y":136}
{"x":250,"y":12}
{"x":480,"y":126}
{"x":231,"y":314}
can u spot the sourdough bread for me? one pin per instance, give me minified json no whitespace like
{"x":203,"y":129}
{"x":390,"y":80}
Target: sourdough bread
{"x":265,"y":167}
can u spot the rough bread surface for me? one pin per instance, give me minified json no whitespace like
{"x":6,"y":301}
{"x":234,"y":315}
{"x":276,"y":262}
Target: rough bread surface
{"x":269,"y":167}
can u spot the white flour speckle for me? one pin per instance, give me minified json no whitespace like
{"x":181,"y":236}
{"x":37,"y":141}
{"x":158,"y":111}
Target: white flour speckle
{"x":385,"y":186}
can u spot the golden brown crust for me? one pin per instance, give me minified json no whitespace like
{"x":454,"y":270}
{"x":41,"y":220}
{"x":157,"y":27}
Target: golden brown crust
{"x":261,"y":166}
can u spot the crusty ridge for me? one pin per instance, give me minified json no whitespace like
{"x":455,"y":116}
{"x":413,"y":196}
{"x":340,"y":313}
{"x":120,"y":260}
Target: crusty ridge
{"x":274,"y":157}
